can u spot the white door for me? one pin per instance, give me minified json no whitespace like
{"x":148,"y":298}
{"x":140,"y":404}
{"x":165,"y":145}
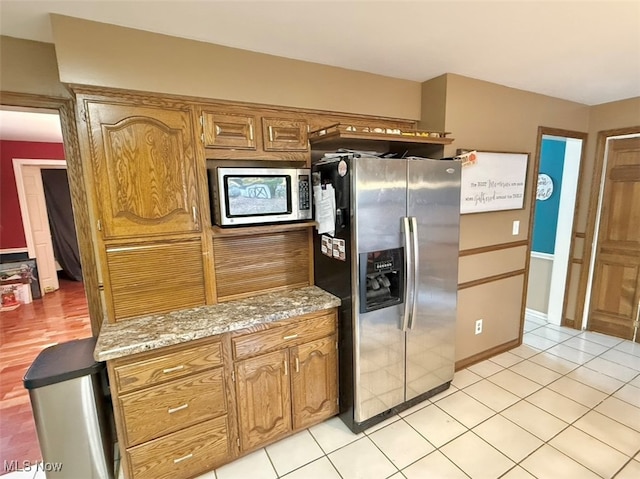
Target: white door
{"x":40,"y":232}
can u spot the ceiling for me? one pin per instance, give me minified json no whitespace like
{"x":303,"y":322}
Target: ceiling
{"x":587,"y":52}
{"x":17,"y":125}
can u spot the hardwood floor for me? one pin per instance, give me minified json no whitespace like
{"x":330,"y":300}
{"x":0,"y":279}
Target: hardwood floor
{"x":57,"y":317}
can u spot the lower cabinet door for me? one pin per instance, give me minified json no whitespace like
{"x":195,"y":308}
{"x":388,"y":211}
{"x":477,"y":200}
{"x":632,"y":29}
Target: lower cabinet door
{"x":314,"y":382}
{"x":183,"y":454}
{"x":264,"y":398}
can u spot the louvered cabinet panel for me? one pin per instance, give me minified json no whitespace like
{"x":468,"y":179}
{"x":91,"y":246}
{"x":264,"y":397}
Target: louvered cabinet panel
{"x":144,"y":169}
{"x":228,"y":130}
{"x":154,"y":278}
{"x":246,"y":265}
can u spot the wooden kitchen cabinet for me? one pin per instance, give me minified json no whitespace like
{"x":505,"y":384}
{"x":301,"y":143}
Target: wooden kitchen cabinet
{"x":288,"y":380}
{"x":228,"y":130}
{"x":147,"y":184}
{"x":144,"y":169}
{"x":172,"y":408}
{"x":282,"y":134}
{"x":264,"y":404}
{"x":184,"y":454}
{"x":314,"y":389}
{"x":231,"y":132}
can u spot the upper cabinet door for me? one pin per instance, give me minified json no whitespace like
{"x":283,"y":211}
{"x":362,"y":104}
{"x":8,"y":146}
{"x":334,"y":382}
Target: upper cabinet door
{"x":229,"y":130}
{"x":281,"y":134}
{"x":144,"y":170}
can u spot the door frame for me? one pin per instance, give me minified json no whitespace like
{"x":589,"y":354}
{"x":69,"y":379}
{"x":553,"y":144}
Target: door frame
{"x":595,"y":214}
{"x":547,"y":131}
{"x":18,"y":169}
{"x":80,"y":196}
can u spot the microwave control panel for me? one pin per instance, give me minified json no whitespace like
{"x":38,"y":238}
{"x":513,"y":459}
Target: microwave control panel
{"x":304,"y":193}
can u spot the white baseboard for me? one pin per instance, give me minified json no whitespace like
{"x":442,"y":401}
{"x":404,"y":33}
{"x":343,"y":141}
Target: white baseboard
{"x":538,"y":255}
{"x":536,"y":315}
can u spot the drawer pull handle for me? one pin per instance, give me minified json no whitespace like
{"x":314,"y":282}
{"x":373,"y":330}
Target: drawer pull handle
{"x":173,"y":370}
{"x":291,"y":336}
{"x":176,"y":409}
{"x":183,"y":458}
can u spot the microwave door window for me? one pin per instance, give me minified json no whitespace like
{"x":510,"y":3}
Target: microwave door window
{"x":257,"y":195}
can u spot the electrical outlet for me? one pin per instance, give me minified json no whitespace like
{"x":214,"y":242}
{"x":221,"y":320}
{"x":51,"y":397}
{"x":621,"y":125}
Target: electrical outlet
{"x":478,"y":326}
{"x":516,"y":228}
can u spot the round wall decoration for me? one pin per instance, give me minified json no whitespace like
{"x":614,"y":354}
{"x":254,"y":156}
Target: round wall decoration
{"x":545,"y":187}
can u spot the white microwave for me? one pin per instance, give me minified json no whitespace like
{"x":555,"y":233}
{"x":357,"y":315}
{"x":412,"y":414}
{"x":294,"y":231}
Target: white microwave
{"x":251,"y":196}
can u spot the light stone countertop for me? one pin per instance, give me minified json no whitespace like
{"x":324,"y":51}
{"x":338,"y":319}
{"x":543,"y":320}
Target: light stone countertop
{"x":146,"y":333}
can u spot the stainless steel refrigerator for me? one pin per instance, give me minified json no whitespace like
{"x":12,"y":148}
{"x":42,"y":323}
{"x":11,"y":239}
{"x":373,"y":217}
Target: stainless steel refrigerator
{"x":398,"y":220}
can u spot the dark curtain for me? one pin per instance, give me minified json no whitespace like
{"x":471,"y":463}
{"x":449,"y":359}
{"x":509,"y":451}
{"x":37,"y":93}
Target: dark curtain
{"x":63,"y":230}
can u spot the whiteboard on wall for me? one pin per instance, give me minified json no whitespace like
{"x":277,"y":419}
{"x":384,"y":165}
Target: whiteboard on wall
{"x":492,"y":181}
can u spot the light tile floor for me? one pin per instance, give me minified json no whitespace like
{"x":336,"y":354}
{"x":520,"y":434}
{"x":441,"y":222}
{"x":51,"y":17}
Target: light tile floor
{"x":565,"y":404}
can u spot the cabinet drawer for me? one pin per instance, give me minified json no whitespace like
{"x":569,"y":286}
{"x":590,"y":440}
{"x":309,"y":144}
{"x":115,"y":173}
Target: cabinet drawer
{"x":284,"y":135}
{"x":229,"y":130}
{"x":285,"y":336}
{"x":186,"y":453}
{"x":168,"y":366}
{"x":163,"y":409}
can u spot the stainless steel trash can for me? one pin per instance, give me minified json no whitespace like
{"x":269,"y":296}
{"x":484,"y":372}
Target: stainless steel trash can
{"x":72,"y":412}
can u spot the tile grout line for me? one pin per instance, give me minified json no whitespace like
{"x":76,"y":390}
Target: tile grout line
{"x":589,"y":409}
{"x":571,"y":424}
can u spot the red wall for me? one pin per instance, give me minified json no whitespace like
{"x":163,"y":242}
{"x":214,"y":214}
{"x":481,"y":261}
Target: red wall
{"x":11,"y":230}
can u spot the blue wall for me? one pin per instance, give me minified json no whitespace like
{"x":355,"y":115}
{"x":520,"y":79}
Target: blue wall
{"x":546,"y":217}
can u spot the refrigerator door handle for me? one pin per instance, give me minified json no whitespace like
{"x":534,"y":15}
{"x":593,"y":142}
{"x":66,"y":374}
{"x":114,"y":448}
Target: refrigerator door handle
{"x":415,"y":260}
{"x":408,"y":287}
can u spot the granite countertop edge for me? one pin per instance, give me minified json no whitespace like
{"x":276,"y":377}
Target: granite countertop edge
{"x":146,"y":333}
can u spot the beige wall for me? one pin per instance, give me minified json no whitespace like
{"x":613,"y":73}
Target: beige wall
{"x":481,"y":115}
{"x":29,"y":67}
{"x":434,"y":104}
{"x":538,"y":287}
{"x":99,"y":54}
{"x":486,"y":116}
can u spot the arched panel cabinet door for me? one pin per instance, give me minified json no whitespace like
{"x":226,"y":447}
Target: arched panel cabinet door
{"x":144,"y":169}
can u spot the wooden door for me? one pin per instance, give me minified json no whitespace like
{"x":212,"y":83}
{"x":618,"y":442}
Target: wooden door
{"x":144,"y":170}
{"x":264,"y":399}
{"x":615,"y":297}
{"x":314,"y":382}
{"x":40,"y":231}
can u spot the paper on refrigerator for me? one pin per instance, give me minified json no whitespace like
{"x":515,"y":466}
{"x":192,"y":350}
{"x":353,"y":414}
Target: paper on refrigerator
{"x":325,"y":209}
